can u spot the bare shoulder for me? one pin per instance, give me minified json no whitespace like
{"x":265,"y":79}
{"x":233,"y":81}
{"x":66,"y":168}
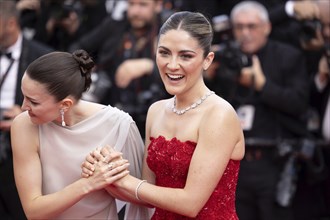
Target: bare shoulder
{"x":220,"y":108}
{"x":158,"y":106}
{"x":155,"y":111}
{"x":22,"y":121}
{"x":23,"y":128}
{"x":222,"y":123}
{"x":221,"y":118}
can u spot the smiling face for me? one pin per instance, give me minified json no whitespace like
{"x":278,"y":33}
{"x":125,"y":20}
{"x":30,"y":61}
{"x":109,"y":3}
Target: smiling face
{"x":180,"y":61}
{"x":41,"y":106}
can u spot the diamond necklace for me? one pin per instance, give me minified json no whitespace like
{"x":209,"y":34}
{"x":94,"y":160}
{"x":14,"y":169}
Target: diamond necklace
{"x":192,"y":106}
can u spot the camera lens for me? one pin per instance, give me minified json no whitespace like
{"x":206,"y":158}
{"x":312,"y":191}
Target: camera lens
{"x":308,"y":29}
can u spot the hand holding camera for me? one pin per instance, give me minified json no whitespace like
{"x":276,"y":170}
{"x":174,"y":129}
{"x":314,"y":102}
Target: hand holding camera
{"x":305,"y":10}
{"x":311,"y":36}
{"x":63,"y":15}
{"x":253,"y":75}
{"x":324,"y":70}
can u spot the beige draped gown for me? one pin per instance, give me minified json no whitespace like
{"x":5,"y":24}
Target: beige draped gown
{"x":63,"y":149}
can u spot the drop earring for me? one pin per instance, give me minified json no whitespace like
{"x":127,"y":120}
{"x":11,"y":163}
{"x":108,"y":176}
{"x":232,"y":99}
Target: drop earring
{"x":62,"y":117}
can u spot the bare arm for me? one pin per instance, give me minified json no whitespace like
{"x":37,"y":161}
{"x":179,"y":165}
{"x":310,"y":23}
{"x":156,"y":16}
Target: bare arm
{"x":132,"y":69}
{"x":28,"y":175}
{"x":133,"y":150}
{"x":106,"y":154}
{"x":220,"y":139}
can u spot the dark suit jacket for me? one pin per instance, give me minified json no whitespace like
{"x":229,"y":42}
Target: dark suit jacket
{"x":282,"y":104}
{"x":319,"y":100}
{"x":31,"y":50}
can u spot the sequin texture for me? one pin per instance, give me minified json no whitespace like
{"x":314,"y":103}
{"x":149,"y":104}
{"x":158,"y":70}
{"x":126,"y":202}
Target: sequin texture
{"x":170,"y":159}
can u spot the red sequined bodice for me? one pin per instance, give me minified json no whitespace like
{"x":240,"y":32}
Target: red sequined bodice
{"x":170,"y":159}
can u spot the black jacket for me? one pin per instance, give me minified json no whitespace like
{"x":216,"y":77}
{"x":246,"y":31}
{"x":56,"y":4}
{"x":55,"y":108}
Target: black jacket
{"x":31,"y":50}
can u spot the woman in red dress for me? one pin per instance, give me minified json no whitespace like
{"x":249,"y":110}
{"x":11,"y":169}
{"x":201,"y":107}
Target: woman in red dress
{"x":194,"y":140}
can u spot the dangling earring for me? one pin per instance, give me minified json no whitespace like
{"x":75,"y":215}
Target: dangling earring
{"x":62,"y":117}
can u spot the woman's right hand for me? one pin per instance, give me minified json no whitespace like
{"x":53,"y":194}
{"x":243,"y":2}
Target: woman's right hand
{"x":101,"y":158}
{"x":107,"y":172}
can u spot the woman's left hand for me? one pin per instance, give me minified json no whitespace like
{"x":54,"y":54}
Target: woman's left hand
{"x":106,"y":155}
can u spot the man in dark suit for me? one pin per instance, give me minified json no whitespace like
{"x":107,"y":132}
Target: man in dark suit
{"x":320,"y":100}
{"x":16,"y":54}
{"x":270,"y":96}
{"x":321,"y":81}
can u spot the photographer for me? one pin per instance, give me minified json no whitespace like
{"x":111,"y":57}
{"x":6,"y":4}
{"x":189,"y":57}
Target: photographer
{"x":270,"y":97}
{"x":298,"y":23}
{"x":321,"y":77}
{"x":229,"y":60}
{"x":321,"y":83}
{"x":61,"y":22}
{"x":320,"y":101}
{"x":308,"y":14}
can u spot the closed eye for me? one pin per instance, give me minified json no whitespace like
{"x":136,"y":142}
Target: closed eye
{"x":163,"y":52}
{"x":186,"y":56}
{"x":34,"y":103}
{"x":31,"y":101}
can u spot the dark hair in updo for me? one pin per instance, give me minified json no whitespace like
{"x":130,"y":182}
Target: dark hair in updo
{"x":63,"y":73}
{"x":195,"y":24}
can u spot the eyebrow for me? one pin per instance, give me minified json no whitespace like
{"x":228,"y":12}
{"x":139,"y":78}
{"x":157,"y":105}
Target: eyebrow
{"x":31,"y":99}
{"x":181,"y":51}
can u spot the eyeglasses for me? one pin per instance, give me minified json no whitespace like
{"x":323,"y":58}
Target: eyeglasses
{"x":250,"y":27}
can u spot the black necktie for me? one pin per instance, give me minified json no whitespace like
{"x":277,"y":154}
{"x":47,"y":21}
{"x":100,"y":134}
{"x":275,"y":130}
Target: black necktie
{"x":8,"y":55}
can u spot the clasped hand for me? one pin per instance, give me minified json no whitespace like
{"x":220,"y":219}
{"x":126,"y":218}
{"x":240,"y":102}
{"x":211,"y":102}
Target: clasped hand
{"x":104,"y":166}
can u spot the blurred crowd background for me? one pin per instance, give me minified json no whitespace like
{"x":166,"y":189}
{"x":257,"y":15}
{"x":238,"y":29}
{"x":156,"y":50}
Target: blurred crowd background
{"x":274,"y":68}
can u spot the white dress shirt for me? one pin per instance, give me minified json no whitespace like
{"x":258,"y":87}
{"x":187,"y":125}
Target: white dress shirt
{"x":326,"y":119}
{"x":8,"y":88}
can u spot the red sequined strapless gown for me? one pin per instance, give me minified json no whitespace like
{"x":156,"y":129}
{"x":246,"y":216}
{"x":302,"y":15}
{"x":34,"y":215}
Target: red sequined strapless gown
{"x":170,"y":159}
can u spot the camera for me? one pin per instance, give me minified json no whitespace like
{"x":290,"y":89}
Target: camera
{"x":61,"y":9}
{"x":229,"y":54}
{"x":232,"y":59}
{"x":308,"y":29}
